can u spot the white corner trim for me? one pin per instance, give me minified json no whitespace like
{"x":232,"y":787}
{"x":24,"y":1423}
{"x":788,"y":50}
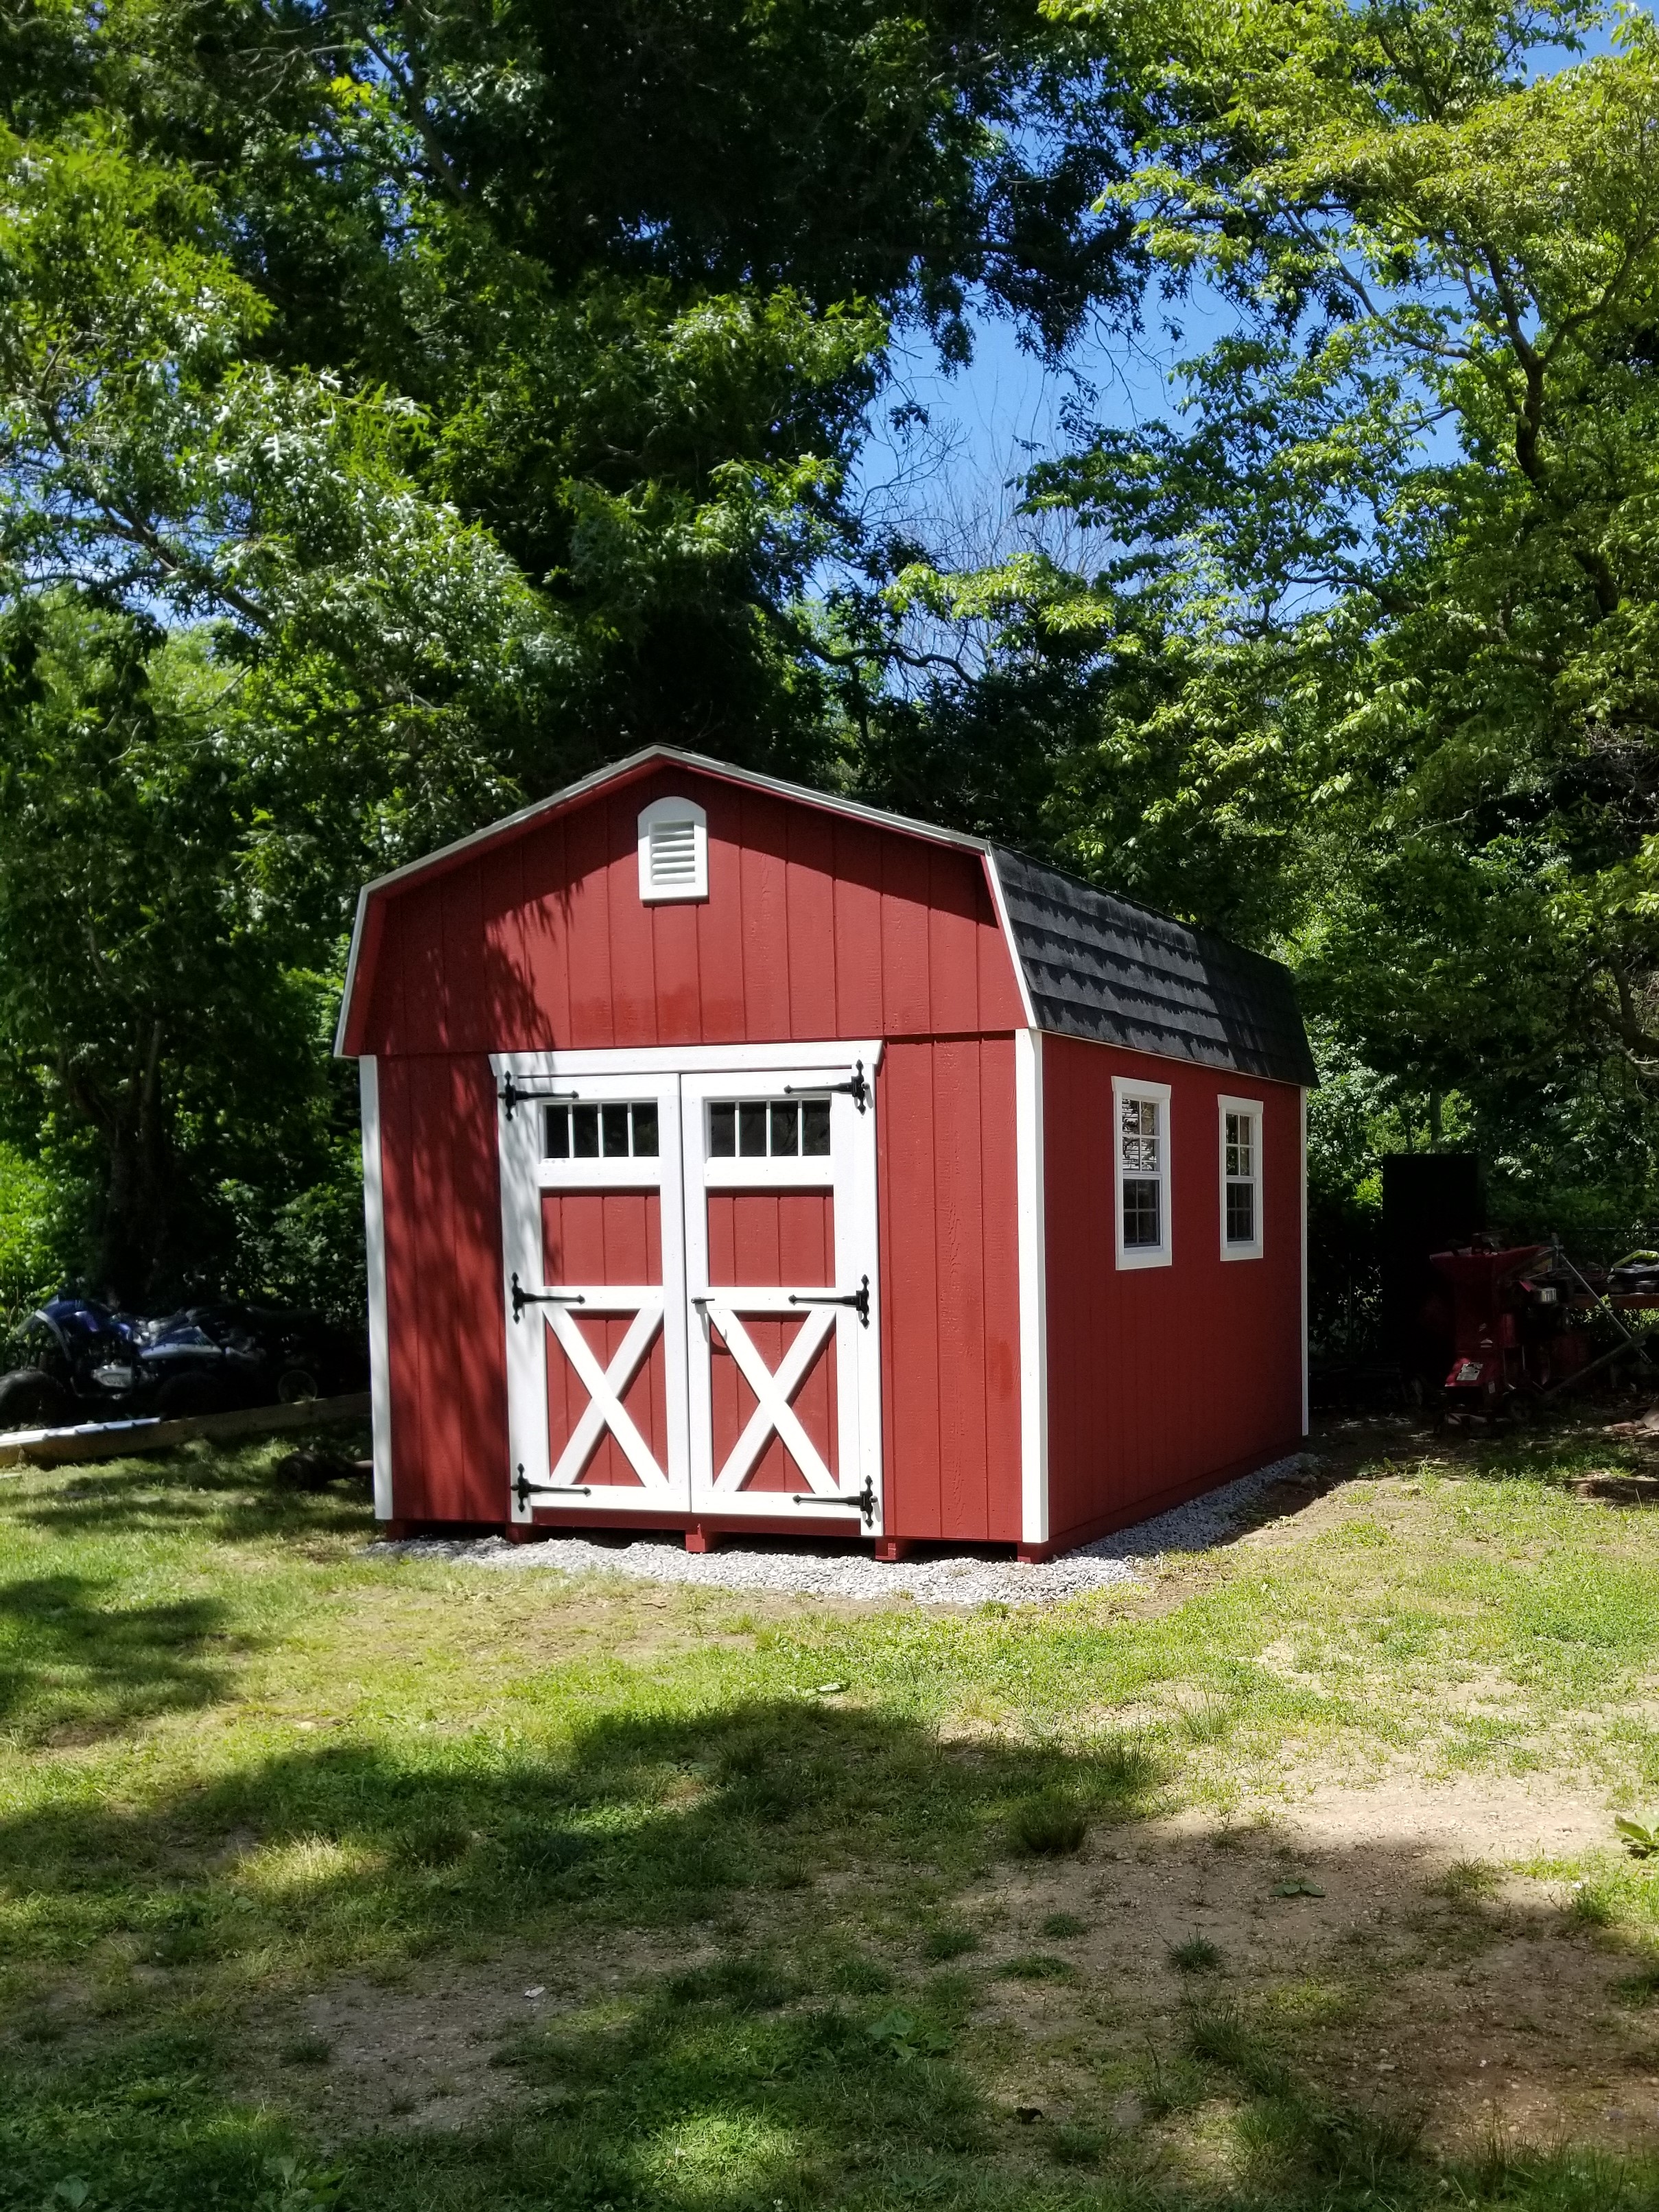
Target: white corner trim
{"x":1257,"y":1111}
{"x":1130,"y":1256}
{"x":1031,"y":1198}
{"x":379,"y":1336}
{"x":1303,"y":1162}
{"x":688,"y":876}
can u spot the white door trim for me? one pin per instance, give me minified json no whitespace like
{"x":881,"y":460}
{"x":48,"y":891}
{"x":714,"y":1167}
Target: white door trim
{"x":850,"y":1173}
{"x":538,"y":1313}
{"x":681,"y":1079}
{"x":695,"y":1059}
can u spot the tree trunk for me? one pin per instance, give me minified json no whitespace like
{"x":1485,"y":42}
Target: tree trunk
{"x":134,"y":1215}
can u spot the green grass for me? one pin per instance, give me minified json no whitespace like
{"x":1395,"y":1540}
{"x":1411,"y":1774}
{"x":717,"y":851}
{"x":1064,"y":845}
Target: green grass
{"x":243,"y":1769}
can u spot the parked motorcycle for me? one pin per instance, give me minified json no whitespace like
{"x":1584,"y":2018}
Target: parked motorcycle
{"x":88,"y":1362}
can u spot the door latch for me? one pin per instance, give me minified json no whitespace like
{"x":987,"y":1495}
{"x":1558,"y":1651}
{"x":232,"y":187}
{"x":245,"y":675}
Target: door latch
{"x":521,"y":1297}
{"x":858,"y":1299}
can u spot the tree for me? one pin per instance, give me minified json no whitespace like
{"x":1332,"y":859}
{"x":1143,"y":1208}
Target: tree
{"x":462,"y":395}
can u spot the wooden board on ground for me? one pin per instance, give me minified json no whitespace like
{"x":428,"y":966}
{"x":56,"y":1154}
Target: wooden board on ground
{"x":118,"y":1439}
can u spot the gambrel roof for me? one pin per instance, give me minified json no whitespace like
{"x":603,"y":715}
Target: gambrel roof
{"x":1090,"y":964}
{"x":1101,"y":967}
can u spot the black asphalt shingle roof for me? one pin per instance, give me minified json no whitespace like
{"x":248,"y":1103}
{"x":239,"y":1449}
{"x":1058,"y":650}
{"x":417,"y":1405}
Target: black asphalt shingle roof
{"x":1103,"y":967}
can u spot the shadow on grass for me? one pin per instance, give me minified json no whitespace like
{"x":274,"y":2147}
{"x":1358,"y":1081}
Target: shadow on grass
{"x":72,"y":1661}
{"x":781,"y":2061}
{"x":234,"y":1497}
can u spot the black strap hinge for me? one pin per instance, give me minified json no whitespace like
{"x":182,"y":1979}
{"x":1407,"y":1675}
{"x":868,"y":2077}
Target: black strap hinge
{"x":867,"y":1501}
{"x":855,"y":1088}
{"x":514,"y":1094}
{"x":521,"y":1297}
{"x":858,"y":1299}
{"x":524,"y":1489}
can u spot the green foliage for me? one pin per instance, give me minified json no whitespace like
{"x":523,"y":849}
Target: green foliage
{"x":400,"y":416}
{"x":29,"y":1232}
{"x":1360,"y":656}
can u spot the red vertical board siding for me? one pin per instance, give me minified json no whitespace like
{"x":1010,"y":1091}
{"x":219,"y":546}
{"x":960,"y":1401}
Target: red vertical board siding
{"x":762,"y":880}
{"x":539,"y":1010}
{"x":1159,"y":1376}
{"x":444,"y":1301}
{"x":999,"y":1226}
{"x":760,"y":1237}
{"x":585,"y":945}
{"x":810,"y":901}
{"x":814,"y":927}
{"x":950,"y":1286}
{"x":858,"y":937}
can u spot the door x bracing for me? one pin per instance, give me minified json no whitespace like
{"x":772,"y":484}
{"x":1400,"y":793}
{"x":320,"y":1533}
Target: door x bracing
{"x":774,"y":1388}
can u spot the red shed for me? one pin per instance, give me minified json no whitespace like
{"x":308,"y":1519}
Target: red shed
{"x":741,"y":1157}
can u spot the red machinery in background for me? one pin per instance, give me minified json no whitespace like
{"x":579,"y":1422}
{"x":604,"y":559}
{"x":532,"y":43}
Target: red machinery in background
{"x":1519,"y":1323}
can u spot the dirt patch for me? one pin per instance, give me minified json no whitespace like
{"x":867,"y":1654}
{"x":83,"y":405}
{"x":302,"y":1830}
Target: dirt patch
{"x":1475,"y":2002}
{"x":1382,"y":1937}
{"x":362,"y":2055}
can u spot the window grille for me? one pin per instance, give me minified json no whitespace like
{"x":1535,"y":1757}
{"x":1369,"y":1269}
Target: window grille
{"x":618,"y":1131}
{"x":769,"y":1129}
{"x":1241,"y":1179}
{"x":1142,"y":1140}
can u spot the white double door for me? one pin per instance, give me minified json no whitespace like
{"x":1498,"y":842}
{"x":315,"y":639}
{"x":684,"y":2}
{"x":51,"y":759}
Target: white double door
{"x":691,"y":1282}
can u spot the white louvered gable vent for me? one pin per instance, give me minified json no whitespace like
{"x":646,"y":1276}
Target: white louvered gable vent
{"x":673,"y":851}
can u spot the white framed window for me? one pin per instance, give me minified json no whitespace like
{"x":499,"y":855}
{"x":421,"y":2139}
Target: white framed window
{"x":673,"y":851}
{"x":1241,"y":1178}
{"x":1140,"y":1116}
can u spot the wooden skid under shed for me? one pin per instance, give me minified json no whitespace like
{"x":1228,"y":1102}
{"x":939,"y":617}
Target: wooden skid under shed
{"x":119,"y":1439}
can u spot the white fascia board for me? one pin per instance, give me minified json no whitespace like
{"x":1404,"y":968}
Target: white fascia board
{"x":834,"y":1053}
{"x":358,"y":920}
{"x":380,"y":1334}
{"x":1032,"y":1200}
{"x":998,"y":900}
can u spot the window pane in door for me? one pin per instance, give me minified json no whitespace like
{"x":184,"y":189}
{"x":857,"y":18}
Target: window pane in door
{"x":785,"y":1128}
{"x":645,"y":1130}
{"x":585,"y":1132}
{"x":815,"y":1128}
{"x":555,"y":1133}
{"x":722,"y":1131}
{"x":614,"y":1127}
{"x":751,"y":1130}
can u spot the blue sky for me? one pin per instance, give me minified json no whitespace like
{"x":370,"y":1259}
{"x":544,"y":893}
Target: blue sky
{"x":952,"y":481}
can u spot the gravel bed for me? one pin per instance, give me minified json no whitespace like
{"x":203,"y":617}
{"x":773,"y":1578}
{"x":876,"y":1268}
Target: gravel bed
{"x":805,"y":1569}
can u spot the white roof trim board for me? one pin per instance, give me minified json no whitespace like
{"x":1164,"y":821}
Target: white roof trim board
{"x":1089,"y":963}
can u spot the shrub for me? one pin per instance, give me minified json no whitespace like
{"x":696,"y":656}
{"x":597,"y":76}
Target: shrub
{"x":1049,"y":1826}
